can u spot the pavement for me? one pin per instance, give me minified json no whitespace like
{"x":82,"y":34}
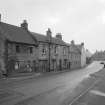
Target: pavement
{"x":99,"y":74}
{"x":20,"y":76}
{"x":95,"y":95}
{"x":25,"y":76}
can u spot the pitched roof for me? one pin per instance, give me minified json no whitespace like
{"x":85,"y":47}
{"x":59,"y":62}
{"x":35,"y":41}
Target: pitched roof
{"x":79,"y":47}
{"x":74,"y":49}
{"x":43,"y":38}
{"x":16,"y":34}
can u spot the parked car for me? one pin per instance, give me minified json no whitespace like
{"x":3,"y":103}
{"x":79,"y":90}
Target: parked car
{"x":102,"y":63}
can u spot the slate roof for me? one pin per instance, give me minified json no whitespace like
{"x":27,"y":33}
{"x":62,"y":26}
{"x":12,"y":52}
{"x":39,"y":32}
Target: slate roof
{"x":44,"y":38}
{"x":75,"y":48}
{"x":16,"y":34}
{"x":79,"y":47}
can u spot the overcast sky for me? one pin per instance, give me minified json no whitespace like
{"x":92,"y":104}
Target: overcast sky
{"x":79,"y":20}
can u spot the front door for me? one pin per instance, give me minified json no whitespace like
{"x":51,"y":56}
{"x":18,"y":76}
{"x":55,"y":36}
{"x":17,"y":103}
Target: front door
{"x":60,"y":64}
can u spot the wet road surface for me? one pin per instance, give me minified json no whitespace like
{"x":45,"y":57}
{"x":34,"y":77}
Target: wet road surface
{"x":50,"y":90}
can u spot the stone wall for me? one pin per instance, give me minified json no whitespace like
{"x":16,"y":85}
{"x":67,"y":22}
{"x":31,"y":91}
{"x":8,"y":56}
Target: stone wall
{"x":25,"y":61}
{"x":58,"y":60}
{"x":2,"y":56}
{"x":75,"y":60}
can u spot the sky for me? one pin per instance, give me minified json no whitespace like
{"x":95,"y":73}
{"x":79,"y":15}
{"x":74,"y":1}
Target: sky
{"x":78,"y":20}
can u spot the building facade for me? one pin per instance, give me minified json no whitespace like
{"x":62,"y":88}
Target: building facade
{"x":53,"y":52}
{"x":2,"y":53}
{"x":74,"y":56}
{"x":88,"y":57}
{"x":77,"y":55}
{"x":26,"y":51}
{"x":18,"y":49}
{"x":83,"y":54}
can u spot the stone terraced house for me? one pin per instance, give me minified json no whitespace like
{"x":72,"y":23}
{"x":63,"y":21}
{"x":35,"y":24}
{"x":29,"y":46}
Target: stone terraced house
{"x":18,"y":51}
{"x":24,"y":51}
{"x":53,"y":52}
{"x":77,"y":55}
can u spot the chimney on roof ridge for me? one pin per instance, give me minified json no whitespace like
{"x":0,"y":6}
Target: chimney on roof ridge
{"x":59,"y":36}
{"x":72,"y":42}
{"x":24,"y":25}
{"x":49,"y":34}
{"x":82,"y":44}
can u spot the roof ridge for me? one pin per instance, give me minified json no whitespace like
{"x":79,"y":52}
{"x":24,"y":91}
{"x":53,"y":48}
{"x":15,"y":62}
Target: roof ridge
{"x":77,"y":48}
{"x":16,"y":34}
{"x":42,"y":37}
{"x":10,"y":25}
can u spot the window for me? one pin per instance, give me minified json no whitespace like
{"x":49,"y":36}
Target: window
{"x":64,"y":50}
{"x":55,"y":50}
{"x":17,"y":48}
{"x":43,"y":50}
{"x":31,"y":50}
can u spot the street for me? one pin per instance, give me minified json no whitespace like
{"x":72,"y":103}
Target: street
{"x":57,"y":89}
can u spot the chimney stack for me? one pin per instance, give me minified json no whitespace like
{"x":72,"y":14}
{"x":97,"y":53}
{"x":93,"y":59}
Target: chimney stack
{"x":72,"y":42}
{"x":59,"y":36}
{"x":49,"y":34}
{"x":24,"y":25}
{"x":82,"y":44}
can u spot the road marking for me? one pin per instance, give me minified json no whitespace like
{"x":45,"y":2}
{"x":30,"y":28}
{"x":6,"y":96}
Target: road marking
{"x":97,"y":92}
